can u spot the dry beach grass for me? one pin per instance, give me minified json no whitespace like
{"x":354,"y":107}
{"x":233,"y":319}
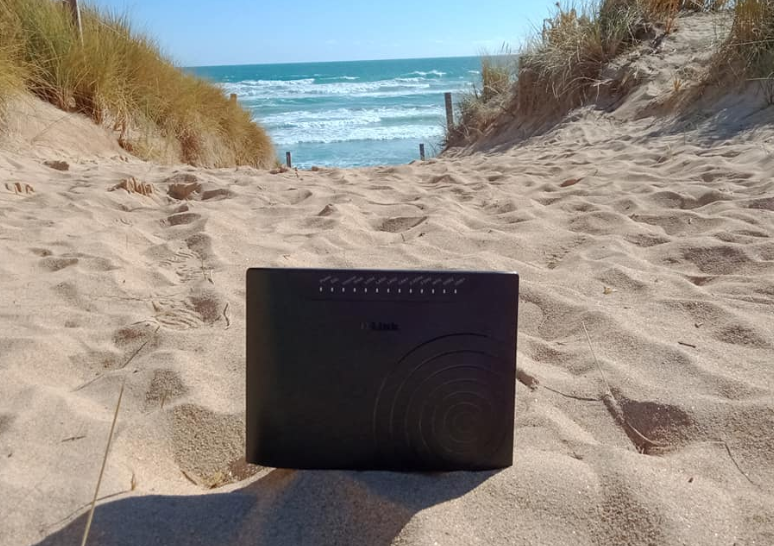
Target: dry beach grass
{"x":574,"y":60}
{"x":120,"y":79}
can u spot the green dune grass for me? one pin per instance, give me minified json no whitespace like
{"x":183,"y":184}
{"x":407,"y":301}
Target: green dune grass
{"x":120,"y":79}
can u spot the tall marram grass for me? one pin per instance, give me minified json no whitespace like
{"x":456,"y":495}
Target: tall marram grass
{"x":483,"y":104}
{"x":11,"y":77}
{"x":565,"y":59}
{"x":120,"y":79}
{"x":749,"y":48}
{"x":561,"y":67}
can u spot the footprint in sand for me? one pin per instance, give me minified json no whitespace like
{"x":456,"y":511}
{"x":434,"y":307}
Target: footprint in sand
{"x":766,"y":203}
{"x":188,"y":264}
{"x":401,"y":223}
{"x":208,"y":446}
{"x":53,"y":264}
{"x":737,"y":334}
{"x":183,"y":218}
{"x":130,"y":338}
{"x":165,"y":387}
{"x":175,"y":314}
{"x":328,"y":210}
{"x":657,"y":426}
{"x":217,"y":194}
{"x":5,"y":422}
{"x":644,"y":240}
{"x":296,"y":197}
{"x":204,"y":307}
{"x":718,"y":260}
{"x":181,"y":190}
{"x":598,"y":223}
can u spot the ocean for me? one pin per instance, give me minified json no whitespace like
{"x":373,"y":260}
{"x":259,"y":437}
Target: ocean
{"x":349,"y":114}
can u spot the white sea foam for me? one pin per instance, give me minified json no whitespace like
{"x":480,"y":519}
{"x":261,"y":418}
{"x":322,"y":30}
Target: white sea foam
{"x":431,"y":72}
{"x":329,"y":134}
{"x":343,"y":124}
{"x":351,"y":116}
{"x":308,"y":88}
{"x":348,"y":78}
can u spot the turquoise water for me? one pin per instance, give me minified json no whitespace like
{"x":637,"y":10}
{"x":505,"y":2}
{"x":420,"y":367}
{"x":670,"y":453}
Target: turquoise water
{"x":349,"y":114}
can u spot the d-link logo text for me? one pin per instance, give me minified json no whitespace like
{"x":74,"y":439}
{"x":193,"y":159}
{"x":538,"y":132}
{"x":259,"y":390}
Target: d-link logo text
{"x":379,"y":326}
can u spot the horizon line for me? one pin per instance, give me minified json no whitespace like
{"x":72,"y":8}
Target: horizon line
{"x":331,"y":62}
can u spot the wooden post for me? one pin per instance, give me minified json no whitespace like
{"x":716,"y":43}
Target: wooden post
{"x":449,"y":112}
{"x":233,"y":97}
{"x":76,"y":11}
{"x":422,"y":152}
{"x":288,"y":160}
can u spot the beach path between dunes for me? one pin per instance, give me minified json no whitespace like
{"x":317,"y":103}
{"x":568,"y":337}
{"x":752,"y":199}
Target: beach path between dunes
{"x":660,"y":247}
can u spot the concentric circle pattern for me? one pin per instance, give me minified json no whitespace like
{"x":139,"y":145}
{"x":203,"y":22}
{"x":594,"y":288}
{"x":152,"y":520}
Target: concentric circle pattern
{"x":441,"y":405}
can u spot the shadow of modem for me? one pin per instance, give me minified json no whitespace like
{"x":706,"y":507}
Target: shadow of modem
{"x":284,"y":507}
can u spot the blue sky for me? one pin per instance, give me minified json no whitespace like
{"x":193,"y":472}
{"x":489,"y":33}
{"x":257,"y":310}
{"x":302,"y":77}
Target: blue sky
{"x":197,"y":33}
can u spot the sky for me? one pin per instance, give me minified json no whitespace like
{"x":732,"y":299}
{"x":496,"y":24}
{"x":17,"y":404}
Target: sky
{"x":196,"y":33}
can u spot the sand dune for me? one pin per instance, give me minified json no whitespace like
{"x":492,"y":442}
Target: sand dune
{"x":662,"y":247}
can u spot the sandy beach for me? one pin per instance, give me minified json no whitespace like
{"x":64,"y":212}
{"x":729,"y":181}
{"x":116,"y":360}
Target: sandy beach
{"x":656,"y":238}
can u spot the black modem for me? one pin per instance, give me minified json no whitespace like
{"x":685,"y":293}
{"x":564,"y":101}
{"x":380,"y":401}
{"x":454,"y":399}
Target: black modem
{"x":378,"y":369}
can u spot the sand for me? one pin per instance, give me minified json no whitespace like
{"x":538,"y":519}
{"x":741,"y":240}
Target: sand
{"x":659,"y":242}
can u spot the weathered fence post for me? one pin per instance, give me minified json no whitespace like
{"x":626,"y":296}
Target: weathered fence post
{"x":288,"y":160}
{"x":233,"y":97}
{"x":422,"y":152}
{"x":76,"y":11}
{"x":449,"y":112}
